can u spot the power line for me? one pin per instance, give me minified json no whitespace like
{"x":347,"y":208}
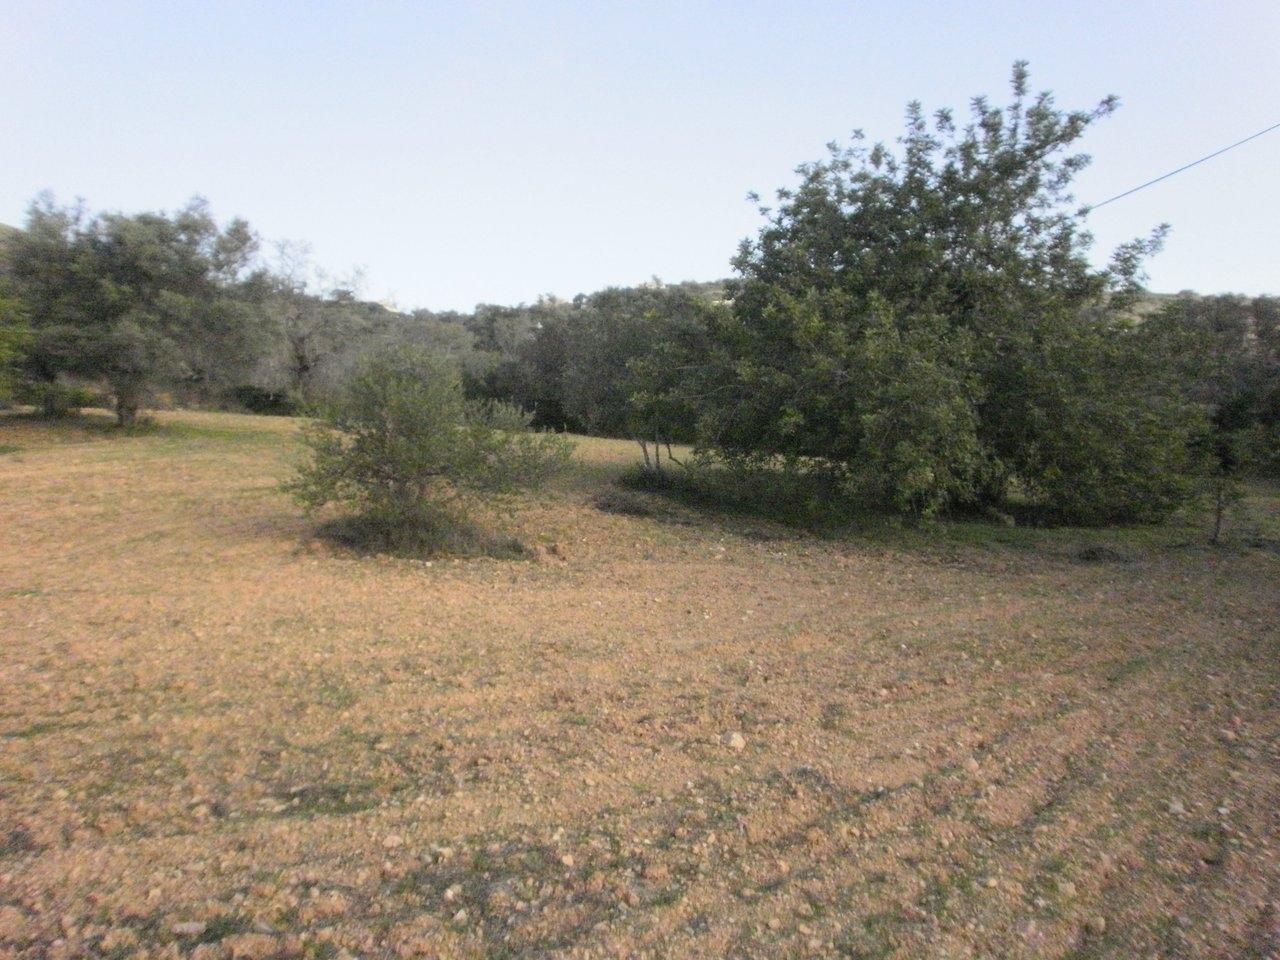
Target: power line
{"x":1143,"y":186}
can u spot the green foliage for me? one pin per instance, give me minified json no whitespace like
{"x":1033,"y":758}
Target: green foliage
{"x":1090,"y":431}
{"x":134,"y":302}
{"x":57,"y":399}
{"x":919,"y":434}
{"x":1225,"y":352}
{"x":13,"y":335}
{"x":401,"y":445}
{"x":928,"y":322}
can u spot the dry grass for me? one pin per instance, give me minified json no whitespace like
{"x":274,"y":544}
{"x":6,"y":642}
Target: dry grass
{"x":966,"y":743}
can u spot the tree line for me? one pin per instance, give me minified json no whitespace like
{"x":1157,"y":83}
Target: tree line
{"x":918,"y":323}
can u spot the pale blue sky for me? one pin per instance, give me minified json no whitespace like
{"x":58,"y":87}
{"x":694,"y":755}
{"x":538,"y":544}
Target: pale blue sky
{"x":466,"y":152}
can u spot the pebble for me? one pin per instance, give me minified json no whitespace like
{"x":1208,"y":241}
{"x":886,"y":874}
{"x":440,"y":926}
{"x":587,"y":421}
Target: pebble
{"x":1097,"y":926}
{"x":734,"y":741}
{"x":392,"y":841}
{"x":188,"y":928}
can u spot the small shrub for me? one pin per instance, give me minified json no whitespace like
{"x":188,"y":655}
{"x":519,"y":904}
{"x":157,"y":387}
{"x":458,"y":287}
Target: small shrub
{"x":402,"y":447}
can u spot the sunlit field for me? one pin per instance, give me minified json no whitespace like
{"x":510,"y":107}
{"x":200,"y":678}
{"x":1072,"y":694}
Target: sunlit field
{"x":663,"y":732}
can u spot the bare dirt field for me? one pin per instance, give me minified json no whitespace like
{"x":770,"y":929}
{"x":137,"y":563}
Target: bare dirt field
{"x":666,"y":735}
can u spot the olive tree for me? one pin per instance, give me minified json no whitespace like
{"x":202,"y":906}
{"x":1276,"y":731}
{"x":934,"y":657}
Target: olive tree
{"x":132,"y":302}
{"x":401,"y":445}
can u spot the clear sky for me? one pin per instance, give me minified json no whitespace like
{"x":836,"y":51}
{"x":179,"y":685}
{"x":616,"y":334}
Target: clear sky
{"x":477,"y":151}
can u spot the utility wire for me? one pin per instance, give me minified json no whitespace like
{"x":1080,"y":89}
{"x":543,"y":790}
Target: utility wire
{"x":1143,"y":186}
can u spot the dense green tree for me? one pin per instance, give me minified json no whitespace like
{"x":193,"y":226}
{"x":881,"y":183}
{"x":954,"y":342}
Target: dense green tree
{"x":612,"y":332}
{"x":13,"y":328}
{"x":1226,"y":354}
{"x":927,"y":321}
{"x":133,"y":302}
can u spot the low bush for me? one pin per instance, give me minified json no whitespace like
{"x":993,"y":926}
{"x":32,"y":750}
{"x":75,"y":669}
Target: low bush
{"x":401,"y":447}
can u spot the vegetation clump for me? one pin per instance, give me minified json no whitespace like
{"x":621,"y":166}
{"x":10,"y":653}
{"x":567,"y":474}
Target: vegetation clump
{"x":926,"y":323}
{"x":401,"y":446}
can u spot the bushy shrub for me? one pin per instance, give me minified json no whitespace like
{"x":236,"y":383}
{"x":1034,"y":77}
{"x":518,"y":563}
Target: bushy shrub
{"x":57,"y":399}
{"x":928,"y":320}
{"x":400,"y":445}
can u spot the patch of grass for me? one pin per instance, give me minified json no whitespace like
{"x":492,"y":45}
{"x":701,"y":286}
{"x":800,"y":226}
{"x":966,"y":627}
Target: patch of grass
{"x":335,"y":694}
{"x":226,"y":925}
{"x":833,"y":715}
{"x":805,"y":500}
{"x":623,"y":504}
{"x":328,"y":799}
{"x":9,"y":448}
{"x":40,"y":729}
{"x":17,"y":840}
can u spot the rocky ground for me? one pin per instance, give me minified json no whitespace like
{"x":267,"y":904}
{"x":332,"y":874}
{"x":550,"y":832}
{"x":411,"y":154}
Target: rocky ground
{"x":664,"y":735}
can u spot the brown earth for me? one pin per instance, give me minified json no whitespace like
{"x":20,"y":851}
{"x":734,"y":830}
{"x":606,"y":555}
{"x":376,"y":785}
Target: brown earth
{"x":666,"y":735}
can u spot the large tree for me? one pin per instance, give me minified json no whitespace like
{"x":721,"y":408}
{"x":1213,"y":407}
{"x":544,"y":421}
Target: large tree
{"x":926,"y":322}
{"x":133,"y":302}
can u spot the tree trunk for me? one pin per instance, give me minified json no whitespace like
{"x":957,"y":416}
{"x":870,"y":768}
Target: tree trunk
{"x":1219,"y":508}
{"x":126,"y":411}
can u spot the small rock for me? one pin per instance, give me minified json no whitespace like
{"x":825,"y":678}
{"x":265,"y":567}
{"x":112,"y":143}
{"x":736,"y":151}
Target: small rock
{"x":392,"y":841}
{"x":972,"y":765}
{"x":1067,"y":888}
{"x":1176,"y":808}
{"x":1097,"y":925}
{"x":734,"y":741}
{"x":188,"y":928}
{"x":567,"y":860}
{"x":991,"y":883}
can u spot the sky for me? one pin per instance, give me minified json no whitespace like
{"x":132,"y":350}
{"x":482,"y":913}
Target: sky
{"x":490,"y":152}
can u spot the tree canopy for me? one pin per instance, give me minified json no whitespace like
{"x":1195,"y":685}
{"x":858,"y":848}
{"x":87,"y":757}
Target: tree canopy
{"x":924,"y":320}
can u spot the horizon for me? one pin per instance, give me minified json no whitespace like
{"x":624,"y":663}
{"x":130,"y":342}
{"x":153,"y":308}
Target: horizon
{"x":492,"y":154}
